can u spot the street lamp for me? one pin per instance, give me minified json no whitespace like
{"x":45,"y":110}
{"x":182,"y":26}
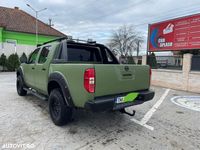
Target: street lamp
{"x":36,"y":21}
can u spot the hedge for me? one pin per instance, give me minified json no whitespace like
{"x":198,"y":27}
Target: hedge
{"x":151,"y":61}
{"x":12,"y":62}
{"x":3,"y":61}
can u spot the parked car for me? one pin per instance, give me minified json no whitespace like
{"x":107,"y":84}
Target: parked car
{"x":82,"y":74}
{"x":162,"y":63}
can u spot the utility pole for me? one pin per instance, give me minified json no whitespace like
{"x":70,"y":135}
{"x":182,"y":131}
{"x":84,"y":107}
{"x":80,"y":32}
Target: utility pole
{"x":148,"y":38}
{"x":138,"y":47}
{"x":50,"y":20}
{"x":36,"y":21}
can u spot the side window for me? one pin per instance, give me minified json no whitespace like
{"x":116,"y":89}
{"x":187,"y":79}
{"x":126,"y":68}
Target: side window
{"x":43,"y":55}
{"x":110,"y":58}
{"x":58,"y":52}
{"x":33,"y":56}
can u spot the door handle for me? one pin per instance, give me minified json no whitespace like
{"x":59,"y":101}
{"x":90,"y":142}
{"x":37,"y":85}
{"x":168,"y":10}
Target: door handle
{"x":43,"y":69}
{"x":33,"y":67}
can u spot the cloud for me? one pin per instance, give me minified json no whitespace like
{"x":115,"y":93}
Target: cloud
{"x":96,"y":19}
{"x":53,"y":2}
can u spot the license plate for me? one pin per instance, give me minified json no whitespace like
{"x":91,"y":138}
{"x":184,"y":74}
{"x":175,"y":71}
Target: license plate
{"x":128,"y":98}
{"x":119,"y":100}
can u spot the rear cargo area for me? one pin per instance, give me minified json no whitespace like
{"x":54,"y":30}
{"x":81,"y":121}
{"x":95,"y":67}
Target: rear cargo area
{"x":120,"y":78}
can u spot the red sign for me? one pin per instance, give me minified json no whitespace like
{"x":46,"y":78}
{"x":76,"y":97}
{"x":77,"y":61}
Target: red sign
{"x":177,"y":34}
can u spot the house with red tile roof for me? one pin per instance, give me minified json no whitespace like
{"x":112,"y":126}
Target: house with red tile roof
{"x":18,"y":31}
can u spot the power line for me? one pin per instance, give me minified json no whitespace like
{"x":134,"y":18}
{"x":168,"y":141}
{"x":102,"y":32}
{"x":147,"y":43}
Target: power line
{"x":119,"y":10}
{"x":148,"y":21}
{"x":135,"y":4}
{"x":168,"y":18}
{"x":81,"y":5}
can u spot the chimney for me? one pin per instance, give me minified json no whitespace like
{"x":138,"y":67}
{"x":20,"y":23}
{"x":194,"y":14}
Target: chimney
{"x":16,"y":8}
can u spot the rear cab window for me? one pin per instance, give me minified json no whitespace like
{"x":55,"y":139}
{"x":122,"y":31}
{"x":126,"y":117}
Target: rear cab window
{"x":82,"y":54}
{"x":76,"y":53}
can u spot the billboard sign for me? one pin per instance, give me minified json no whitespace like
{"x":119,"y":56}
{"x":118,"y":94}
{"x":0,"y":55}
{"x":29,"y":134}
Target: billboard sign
{"x":176,"y":34}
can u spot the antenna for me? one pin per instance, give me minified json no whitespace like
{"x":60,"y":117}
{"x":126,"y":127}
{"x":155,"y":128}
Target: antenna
{"x":50,"y":22}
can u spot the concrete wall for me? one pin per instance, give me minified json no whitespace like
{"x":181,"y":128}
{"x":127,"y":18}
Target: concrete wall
{"x":167,"y":78}
{"x":185,"y":79}
{"x":194,"y":82}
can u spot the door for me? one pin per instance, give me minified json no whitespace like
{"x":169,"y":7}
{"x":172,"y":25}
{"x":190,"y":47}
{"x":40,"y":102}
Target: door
{"x":29,"y":68}
{"x":41,"y":70}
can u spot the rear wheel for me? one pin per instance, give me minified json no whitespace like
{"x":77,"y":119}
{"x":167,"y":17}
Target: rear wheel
{"x":20,"y":86}
{"x":60,"y":113}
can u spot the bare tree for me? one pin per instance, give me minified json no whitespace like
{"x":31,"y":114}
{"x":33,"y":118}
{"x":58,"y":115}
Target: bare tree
{"x":125,"y":40}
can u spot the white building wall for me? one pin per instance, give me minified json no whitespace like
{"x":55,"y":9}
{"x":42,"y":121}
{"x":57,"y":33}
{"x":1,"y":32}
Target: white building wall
{"x":9,"y":48}
{"x":184,"y":79}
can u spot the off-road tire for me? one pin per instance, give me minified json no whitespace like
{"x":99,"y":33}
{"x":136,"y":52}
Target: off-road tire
{"x":60,"y":113}
{"x":20,"y":86}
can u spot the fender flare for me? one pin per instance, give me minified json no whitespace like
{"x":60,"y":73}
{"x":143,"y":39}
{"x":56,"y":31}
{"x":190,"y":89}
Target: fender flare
{"x":21,"y":73}
{"x":61,"y":81}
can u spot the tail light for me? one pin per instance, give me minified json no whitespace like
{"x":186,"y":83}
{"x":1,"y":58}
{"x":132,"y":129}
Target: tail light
{"x":89,"y":80}
{"x":150,"y":72}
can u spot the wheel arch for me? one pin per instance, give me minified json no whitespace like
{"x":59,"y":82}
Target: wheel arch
{"x":57,"y":80}
{"x":20,"y":72}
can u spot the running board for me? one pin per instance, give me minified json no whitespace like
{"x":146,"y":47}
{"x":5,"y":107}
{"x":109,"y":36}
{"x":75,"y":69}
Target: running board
{"x":35,"y":93}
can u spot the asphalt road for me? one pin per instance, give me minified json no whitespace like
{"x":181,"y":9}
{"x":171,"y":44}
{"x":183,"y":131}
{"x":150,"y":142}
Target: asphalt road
{"x":25,"y":120}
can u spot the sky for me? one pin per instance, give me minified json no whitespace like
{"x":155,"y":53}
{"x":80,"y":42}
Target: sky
{"x":97,"y":19}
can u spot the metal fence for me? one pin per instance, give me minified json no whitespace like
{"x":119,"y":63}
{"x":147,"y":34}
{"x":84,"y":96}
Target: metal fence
{"x":195,"y":66}
{"x":166,"y":62}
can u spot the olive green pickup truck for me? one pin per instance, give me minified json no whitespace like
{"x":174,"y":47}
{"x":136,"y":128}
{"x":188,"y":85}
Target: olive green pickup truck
{"x":74,"y":74}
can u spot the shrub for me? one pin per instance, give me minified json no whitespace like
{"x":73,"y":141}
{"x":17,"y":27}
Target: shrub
{"x":13,"y":62}
{"x":151,"y":61}
{"x":3,"y":61}
{"x":23,"y":58}
{"x":130,"y":60}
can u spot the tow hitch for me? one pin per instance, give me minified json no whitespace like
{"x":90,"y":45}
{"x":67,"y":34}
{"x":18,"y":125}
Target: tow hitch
{"x":125,"y":112}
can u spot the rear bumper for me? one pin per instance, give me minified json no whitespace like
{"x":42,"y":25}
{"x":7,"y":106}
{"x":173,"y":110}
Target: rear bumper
{"x":108,"y":102}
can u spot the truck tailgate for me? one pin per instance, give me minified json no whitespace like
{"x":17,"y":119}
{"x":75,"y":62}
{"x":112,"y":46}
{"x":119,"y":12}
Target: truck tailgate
{"x":115,"y":78}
